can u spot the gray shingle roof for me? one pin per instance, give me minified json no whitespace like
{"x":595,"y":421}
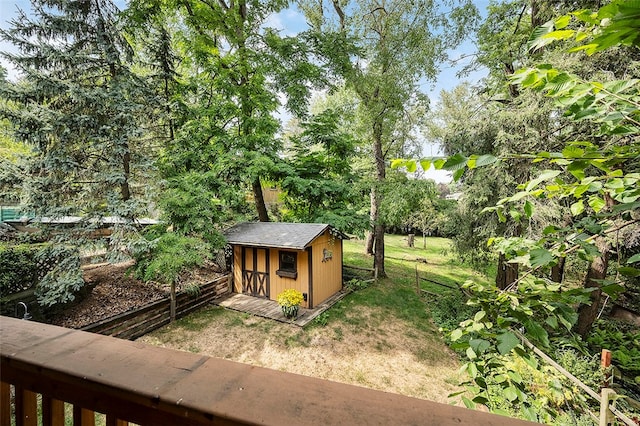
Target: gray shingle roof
{"x":295,"y":236}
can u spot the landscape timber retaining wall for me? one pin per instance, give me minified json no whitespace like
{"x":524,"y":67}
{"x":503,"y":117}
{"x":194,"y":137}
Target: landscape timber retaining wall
{"x":138,"y":322}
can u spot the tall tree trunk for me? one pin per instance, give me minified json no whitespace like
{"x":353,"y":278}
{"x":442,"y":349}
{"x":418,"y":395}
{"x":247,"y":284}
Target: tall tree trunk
{"x":125,"y":190}
{"x":378,"y":228}
{"x":587,"y":314}
{"x":507,"y":272}
{"x":557,"y":271}
{"x":368,"y":243}
{"x":246,"y":103}
{"x":373,"y":213}
{"x":261,"y":207}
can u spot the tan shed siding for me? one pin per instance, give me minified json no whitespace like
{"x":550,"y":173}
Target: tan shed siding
{"x":279,"y":284}
{"x":248,"y":258}
{"x":237,"y":269}
{"x":262,"y":261}
{"x":327,"y":276}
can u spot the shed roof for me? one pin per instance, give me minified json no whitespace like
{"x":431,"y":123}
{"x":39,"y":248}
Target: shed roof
{"x":295,"y":236}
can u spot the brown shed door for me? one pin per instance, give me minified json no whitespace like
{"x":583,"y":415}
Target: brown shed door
{"x":255,"y":271}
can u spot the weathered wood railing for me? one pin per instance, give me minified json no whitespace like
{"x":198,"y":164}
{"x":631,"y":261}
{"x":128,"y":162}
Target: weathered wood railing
{"x":133,"y":382}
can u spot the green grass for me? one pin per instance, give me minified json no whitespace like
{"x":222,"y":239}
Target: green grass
{"x":396,"y":294}
{"x":400,"y":263}
{"x":385,"y":320}
{"x":379,"y":312}
{"x":200,"y":322}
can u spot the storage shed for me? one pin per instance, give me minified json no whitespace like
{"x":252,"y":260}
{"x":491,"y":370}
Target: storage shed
{"x":270,"y":257}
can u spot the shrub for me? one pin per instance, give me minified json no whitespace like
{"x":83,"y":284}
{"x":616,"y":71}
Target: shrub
{"x":357,"y":284}
{"x":450,"y":309}
{"x":62,"y":283}
{"x":535,"y":391}
{"x":622,"y":340}
{"x":167,"y":255}
{"x":53,"y":269}
{"x":19,"y":268}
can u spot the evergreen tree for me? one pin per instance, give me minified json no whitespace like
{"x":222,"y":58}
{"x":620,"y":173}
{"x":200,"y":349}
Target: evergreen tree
{"x":77,"y":105}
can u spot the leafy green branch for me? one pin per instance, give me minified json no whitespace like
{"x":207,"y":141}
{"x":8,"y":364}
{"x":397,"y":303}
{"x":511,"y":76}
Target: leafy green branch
{"x":595,"y":179}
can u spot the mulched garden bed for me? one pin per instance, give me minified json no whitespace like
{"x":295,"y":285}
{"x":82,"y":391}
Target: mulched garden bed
{"x":115,"y":291}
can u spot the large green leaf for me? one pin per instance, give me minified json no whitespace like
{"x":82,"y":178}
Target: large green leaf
{"x":544,"y":176}
{"x":537,"y":40}
{"x":540,"y":257}
{"x":628,"y":271}
{"x":528,"y":209}
{"x":455,"y":162}
{"x":398,"y":162}
{"x":481,"y":161}
{"x":425,"y":163}
{"x":506,"y":342}
{"x":479,"y":345}
{"x":456,"y":334}
{"x":577,"y":208}
{"x":537,"y":332}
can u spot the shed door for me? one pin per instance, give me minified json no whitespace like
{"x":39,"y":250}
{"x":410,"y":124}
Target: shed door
{"x":255,"y":271}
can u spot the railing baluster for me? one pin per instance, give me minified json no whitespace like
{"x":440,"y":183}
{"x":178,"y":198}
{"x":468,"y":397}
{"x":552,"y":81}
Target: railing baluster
{"x":83,"y":417}
{"x":26,"y":407}
{"x":113,"y":421}
{"x":5,"y":404}
{"x":52,"y":412}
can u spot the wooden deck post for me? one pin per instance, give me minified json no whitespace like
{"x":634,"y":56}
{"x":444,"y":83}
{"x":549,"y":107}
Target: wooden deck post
{"x":26,"y":408}
{"x":605,"y":363}
{"x":606,"y":416}
{"x":52,"y":412}
{"x":83,"y":417}
{"x":5,"y":404}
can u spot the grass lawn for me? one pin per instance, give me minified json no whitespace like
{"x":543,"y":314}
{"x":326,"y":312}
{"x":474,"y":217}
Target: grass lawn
{"x":381,"y":337}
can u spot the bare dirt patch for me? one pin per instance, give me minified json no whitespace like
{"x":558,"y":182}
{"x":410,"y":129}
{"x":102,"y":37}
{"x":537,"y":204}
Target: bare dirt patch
{"x":388,"y":355}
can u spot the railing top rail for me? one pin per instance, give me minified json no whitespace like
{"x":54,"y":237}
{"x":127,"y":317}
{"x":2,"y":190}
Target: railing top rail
{"x":138,"y":382}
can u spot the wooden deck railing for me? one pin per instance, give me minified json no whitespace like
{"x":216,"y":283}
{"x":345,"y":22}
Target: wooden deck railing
{"x":41,"y":366}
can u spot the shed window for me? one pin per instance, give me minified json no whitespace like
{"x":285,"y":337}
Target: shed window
{"x":288,"y":264}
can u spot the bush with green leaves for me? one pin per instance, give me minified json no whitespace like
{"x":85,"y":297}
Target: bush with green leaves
{"x":53,"y":269}
{"x":64,"y":281}
{"x":165,"y":255}
{"x":19,"y":270}
{"x":623,"y":340}
{"x":595,"y":174}
{"x":526,"y":388}
{"x":357,"y":284}
{"x":449,"y":309}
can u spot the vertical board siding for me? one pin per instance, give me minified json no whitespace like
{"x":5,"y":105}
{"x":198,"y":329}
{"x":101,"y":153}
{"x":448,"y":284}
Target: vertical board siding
{"x":237,"y":269}
{"x":248,"y":258}
{"x":327,"y":276}
{"x":279,"y":284}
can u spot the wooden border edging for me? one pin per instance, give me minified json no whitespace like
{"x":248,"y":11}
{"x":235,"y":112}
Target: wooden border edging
{"x":357,"y":268}
{"x":140,"y":321}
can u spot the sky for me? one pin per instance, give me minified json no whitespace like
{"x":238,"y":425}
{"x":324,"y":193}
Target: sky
{"x":290,"y":22}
